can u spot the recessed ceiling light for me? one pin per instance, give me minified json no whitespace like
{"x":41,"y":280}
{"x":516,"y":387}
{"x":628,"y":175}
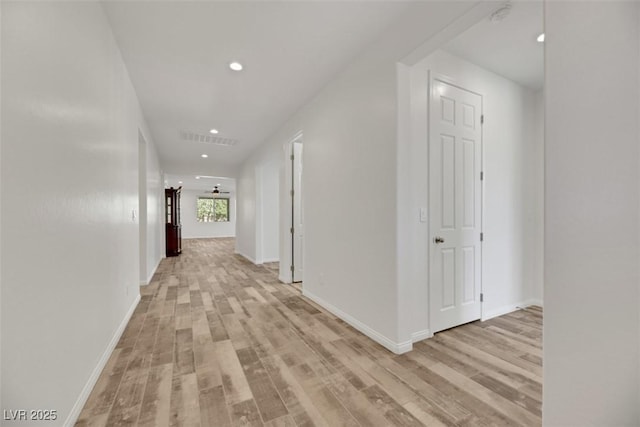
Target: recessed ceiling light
{"x":197,"y":177}
{"x":204,"y":156}
{"x":179,"y":182}
{"x":235,"y":66}
{"x":218,"y":184}
{"x":213,"y":131}
{"x":540,"y":38}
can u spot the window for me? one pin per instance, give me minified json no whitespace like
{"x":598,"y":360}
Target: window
{"x":212,"y":210}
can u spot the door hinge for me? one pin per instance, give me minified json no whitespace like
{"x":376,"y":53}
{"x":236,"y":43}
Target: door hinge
{"x":292,"y":157}
{"x":292,"y":268}
{"x":482,"y":237}
{"x":291,"y":230}
{"x":482,"y":176}
{"x":481,"y":297}
{"x":482,"y":119}
{"x":291,"y":193}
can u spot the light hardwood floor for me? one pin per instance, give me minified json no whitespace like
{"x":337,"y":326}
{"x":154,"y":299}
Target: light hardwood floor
{"x":218,"y":341}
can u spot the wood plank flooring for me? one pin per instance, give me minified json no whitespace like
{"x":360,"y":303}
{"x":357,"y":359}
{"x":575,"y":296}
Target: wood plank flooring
{"x":218,"y":341}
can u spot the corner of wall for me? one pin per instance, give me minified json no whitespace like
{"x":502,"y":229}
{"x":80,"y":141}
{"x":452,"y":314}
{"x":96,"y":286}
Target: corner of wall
{"x":153,"y":272}
{"x":247,"y":257}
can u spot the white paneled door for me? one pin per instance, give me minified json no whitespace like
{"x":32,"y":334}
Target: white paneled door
{"x":455,"y":198}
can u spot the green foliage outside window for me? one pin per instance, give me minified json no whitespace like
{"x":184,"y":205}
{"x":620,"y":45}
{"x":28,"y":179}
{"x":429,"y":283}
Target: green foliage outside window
{"x":212,"y":210}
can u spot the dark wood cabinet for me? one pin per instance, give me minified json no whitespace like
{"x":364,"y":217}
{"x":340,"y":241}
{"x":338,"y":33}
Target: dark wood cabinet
{"x":173,"y":225}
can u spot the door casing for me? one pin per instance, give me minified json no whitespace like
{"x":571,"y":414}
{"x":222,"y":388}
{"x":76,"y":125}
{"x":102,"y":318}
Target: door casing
{"x":297,"y":222}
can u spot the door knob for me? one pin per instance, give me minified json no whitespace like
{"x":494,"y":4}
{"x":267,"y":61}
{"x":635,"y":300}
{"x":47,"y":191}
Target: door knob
{"x":438,"y":240}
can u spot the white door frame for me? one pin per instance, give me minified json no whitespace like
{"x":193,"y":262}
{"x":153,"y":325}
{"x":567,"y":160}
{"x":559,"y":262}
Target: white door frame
{"x":286,"y":211}
{"x":432,"y":75}
{"x":297,"y":195}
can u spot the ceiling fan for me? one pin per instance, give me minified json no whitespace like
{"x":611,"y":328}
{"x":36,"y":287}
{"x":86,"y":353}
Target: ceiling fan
{"x":216,"y":190}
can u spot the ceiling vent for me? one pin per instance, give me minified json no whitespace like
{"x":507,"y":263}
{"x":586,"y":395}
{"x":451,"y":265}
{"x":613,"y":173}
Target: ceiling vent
{"x":207,"y":139}
{"x":501,"y":13}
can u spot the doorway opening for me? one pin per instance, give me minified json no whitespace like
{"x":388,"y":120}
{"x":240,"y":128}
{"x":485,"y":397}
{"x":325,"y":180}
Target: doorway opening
{"x":482,"y":160}
{"x":292,"y":212}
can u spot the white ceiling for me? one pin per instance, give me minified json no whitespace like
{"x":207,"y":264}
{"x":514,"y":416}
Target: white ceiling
{"x":508,"y":47}
{"x":177,"y":54}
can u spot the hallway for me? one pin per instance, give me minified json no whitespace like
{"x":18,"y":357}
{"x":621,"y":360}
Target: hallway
{"x":217,"y":341}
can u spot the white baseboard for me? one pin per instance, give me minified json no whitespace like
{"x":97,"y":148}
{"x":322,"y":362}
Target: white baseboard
{"x":421,"y":335}
{"x":88,"y":387}
{"x":264,"y":261}
{"x":397,"y":348}
{"x":490,"y":314}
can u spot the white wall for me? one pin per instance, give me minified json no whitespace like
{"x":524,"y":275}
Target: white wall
{"x":142,"y":207}
{"x":270,"y":203}
{"x":191,"y":228}
{"x":349,"y":230}
{"x":70,"y":270}
{"x":592,"y":186}
{"x":349,"y":162}
{"x":246,"y":205}
{"x":511,"y":224}
{"x":258,"y":192}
